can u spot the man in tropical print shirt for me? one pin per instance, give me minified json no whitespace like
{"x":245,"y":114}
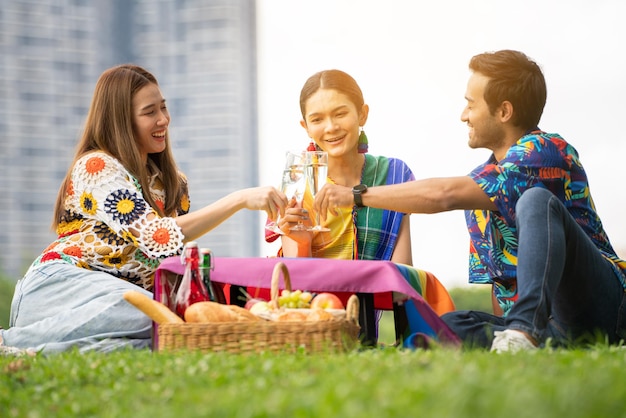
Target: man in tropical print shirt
{"x":534,"y":231}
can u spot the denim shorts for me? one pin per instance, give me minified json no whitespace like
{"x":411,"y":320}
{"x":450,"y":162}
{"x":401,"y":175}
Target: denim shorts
{"x":58,"y":307}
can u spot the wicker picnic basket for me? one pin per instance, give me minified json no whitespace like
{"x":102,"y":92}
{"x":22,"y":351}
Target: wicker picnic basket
{"x":339,"y":334}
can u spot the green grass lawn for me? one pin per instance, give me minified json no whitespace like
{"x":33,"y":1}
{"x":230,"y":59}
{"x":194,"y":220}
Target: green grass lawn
{"x":369,"y":383}
{"x":383,"y":382}
{"x":6,"y":294}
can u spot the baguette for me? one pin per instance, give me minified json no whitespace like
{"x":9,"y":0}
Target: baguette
{"x":243,"y":315}
{"x":204,"y":312}
{"x":157,"y":311}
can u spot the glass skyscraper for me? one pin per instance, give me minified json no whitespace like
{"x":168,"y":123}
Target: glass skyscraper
{"x":203,"y":53}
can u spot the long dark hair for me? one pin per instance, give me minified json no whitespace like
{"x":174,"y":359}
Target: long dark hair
{"x":109,"y":128}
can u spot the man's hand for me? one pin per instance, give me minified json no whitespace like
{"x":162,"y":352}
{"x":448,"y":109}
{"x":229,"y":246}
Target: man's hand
{"x":331,"y":197}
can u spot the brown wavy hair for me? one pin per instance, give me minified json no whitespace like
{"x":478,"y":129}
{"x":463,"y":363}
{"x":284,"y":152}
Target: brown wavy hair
{"x":515,"y":78}
{"x":109,"y":128}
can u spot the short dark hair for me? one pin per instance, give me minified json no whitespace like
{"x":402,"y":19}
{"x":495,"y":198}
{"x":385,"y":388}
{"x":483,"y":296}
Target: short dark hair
{"x":516,"y":78}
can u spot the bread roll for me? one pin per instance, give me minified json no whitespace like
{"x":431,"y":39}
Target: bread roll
{"x":318,"y":314}
{"x":291,"y":316}
{"x":242,"y":313}
{"x":209,"y":312}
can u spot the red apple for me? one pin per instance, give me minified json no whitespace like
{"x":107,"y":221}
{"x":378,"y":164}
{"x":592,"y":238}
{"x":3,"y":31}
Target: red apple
{"x":326,"y":301}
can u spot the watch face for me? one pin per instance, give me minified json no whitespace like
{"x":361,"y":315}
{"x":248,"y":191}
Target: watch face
{"x":357,"y":191}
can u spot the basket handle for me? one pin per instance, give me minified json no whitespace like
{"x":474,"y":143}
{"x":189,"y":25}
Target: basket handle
{"x":278,"y":268}
{"x":352,"y":309}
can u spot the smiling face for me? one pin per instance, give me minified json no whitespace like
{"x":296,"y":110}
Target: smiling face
{"x":150,"y":120}
{"x":332,"y":121}
{"x":485,"y":129}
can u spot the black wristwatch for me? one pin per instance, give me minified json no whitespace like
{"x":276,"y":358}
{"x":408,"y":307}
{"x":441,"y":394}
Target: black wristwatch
{"x":357,"y":192}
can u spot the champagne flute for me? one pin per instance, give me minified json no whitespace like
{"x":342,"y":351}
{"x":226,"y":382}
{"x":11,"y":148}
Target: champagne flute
{"x":295,"y":181}
{"x":316,"y":167}
{"x":292,"y":184}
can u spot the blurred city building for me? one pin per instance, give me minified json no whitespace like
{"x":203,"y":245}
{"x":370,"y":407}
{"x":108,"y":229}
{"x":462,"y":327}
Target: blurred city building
{"x":203,"y":52}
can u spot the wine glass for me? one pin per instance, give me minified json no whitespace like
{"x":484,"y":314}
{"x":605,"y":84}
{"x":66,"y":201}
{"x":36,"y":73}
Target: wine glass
{"x":293,"y":184}
{"x":316,"y":168}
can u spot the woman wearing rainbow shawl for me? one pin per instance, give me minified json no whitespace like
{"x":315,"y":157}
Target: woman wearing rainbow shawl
{"x":334,"y":113}
{"x":365,"y":233}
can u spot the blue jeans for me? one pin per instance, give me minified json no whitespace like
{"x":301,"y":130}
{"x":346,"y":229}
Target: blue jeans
{"x":57,"y":306}
{"x":567,"y":290}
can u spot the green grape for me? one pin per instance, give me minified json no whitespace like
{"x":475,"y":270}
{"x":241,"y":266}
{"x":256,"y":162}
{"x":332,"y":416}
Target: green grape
{"x":294,"y":299}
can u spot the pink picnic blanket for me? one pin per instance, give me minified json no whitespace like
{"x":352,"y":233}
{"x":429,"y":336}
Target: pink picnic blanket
{"x":322,"y":275}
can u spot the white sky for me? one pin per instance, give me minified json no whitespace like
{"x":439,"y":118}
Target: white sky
{"x":410,"y":58}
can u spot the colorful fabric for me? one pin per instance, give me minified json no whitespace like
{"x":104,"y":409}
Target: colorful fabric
{"x":371,"y":234}
{"x":429,"y":287}
{"x":376,"y":229}
{"x":109,"y":226}
{"x":538,"y":159}
{"x":340,"y":241}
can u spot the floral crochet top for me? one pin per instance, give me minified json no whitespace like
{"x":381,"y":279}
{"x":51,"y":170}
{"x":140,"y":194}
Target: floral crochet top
{"x":108,"y":226}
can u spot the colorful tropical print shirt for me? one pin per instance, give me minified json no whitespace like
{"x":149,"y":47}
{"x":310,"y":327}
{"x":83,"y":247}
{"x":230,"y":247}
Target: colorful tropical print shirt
{"x":538,"y":159}
{"x":109,"y":226}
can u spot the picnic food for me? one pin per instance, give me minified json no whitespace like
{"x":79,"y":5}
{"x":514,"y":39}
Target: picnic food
{"x":327,"y":301}
{"x":209,"y":312}
{"x":216,"y":312}
{"x":204,"y":312}
{"x":155,"y":310}
{"x":241,"y":314}
{"x":294,"y":299}
{"x":260,"y":307}
{"x":276,"y":329}
{"x":317,"y":314}
{"x":253,"y":301}
{"x":291,"y":316}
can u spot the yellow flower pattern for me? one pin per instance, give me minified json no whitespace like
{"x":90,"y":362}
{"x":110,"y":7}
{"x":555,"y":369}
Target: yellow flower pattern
{"x":109,"y":226}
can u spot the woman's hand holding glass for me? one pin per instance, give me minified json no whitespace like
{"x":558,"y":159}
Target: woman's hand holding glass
{"x":293,"y":185}
{"x":296,"y":222}
{"x":316,"y":168}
